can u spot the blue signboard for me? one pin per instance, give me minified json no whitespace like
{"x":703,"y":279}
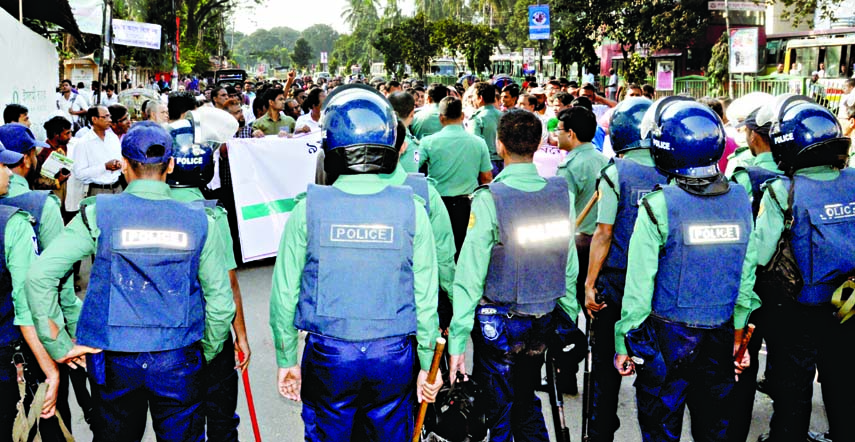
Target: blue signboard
{"x":538,"y":22}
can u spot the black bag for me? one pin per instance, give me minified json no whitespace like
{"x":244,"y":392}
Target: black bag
{"x":781,"y":277}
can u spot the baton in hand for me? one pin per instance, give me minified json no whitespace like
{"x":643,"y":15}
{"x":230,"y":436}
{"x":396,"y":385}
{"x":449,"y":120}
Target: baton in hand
{"x":250,"y":403}
{"x":434,"y":368}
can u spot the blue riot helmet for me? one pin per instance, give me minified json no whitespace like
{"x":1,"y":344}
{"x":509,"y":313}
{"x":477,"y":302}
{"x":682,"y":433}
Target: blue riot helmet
{"x":803,"y":134}
{"x":196,"y":139}
{"x":625,"y":124}
{"x":687,"y":138}
{"x":358,"y":132}
{"x":501,"y":81}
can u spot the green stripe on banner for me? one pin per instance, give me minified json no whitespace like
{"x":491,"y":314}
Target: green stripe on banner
{"x":269,"y":208}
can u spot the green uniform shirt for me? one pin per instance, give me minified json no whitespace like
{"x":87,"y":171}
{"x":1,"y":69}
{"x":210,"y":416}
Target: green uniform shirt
{"x":50,"y":226}
{"x":440,"y":224}
{"x":474,"y":258}
{"x":270,"y":127}
{"x":218,"y":213}
{"x":291,"y":259}
{"x":409,"y":160}
{"x":607,"y":205}
{"x":77,"y":242}
{"x":20,"y":250}
{"x":426,"y":121}
{"x":741,"y":157}
{"x":581,"y":168}
{"x":763,"y":160}
{"x":485,"y":124}
{"x":769,"y":225}
{"x":647,"y":241}
{"x":455,"y":158}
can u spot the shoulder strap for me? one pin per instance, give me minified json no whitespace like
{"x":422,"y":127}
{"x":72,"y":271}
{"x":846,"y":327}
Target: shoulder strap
{"x":788,"y":213}
{"x":650,"y":212}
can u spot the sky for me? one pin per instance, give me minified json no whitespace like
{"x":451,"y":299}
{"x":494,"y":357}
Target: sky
{"x":300,"y":14}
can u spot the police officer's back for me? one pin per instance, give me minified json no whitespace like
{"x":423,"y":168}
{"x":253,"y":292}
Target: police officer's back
{"x":426,"y":120}
{"x":678,"y":316}
{"x":158,"y":301}
{"x":809,"y":207}
{"x":356,"y":269}
{"x":516,"y":274}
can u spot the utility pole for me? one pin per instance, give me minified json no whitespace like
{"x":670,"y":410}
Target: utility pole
{"x":175,"y":50}
{"x":727,"y":27}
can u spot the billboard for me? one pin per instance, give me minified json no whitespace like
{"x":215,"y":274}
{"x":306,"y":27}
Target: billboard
{"x":538,"y":22}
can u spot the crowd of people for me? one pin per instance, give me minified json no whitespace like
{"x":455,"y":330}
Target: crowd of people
{"x":502,"y":213}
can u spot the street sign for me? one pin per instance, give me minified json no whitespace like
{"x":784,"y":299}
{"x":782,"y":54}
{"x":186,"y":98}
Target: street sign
{"x":538,"y":22}
{"x":737,"y":6}
{"x":323,"y":58}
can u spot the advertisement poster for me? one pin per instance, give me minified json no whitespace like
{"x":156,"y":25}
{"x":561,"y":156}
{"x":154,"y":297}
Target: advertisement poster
{"x":743,"y":50}
{"x":538,"y":22}
{"x":664,"y":75}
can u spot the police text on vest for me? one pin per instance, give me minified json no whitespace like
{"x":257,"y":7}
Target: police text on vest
{"x":538,"y":233}
{"x":155,"y":238}
{"x":366,"y":233}
{"x":714,"y":234}
{"x":836,"y":212}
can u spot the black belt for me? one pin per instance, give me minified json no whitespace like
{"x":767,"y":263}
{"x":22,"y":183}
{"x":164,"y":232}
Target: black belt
{"x":105,"y":186}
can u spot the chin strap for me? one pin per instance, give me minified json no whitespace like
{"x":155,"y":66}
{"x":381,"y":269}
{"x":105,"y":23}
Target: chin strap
{"x":717,"y":185}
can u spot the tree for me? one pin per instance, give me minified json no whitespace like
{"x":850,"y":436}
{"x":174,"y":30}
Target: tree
{"x":302,"y":53}
{"x":410,"y":42}
{"x":475,"y":42}
{"x":321,"y":38}
{"x":360,"y":12}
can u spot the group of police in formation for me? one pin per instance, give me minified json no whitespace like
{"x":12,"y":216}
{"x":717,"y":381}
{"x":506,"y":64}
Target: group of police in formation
{"x":670,"y":285}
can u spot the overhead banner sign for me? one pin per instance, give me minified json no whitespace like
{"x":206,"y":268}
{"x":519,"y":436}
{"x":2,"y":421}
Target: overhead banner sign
{"x":743,"y":55}
{"x":37,"y":89}
{"x":267,"y":175}
{"x":736,"y":6}
{"x":132,"y":33}
{"x":538,"y":22}
{"x":89,"y":15}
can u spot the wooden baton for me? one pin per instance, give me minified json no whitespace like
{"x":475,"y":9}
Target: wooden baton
{"x":434,"y":368}
{"x":594,"y":198}
{"x":743,"y":346}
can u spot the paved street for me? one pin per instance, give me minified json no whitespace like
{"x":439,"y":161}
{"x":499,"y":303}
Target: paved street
{"x":280,"y":419}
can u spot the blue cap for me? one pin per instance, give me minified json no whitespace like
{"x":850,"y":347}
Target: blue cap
{"x":9,"y":156}
{"x":142,"y":136}
{"x":19,"y":138}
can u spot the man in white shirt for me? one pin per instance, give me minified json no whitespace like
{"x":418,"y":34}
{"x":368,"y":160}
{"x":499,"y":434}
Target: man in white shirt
{"x":611,"y":89}
{"x":109,"y":96}
{"x":71,"y":104}
{"x":98,"y":155}
{"x":847,"y":100}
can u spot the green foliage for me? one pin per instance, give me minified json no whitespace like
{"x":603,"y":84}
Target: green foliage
{"x":803,"y":11}
{"x":474,"y":42}
{"x":302,"y":55}
{"x":411,"y":42}
{"x":718,"y":68}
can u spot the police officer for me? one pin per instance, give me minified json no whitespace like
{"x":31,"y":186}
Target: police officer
{"x":44,"y":208}
{"x":426,"y":121}
{"x":622,"y":184}
{"x":458,"y":162}
{"x":18,"y":341}
{"x":515,"y":282}
{"x":158,"y":299}
{"x":194,"y":169}
{"x":485,"y":121}
{"x":810,"y":205}
{"x":677,"y":319}
{"x":356,"y":269}
{"x":405,"y":105}
{"x":737,"y":112}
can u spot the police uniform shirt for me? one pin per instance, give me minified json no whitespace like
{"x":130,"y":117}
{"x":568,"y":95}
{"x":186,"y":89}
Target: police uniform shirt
{"x":20,"y":250}
{"x":291,"y":259}
{"x":50,"y":226}
{"x":580,"y":168}
{"x":440,"y":224}
{"x":607,"y":205}
{"x":191,"y":194}
{"x":474,"y":260}
{"x":485,"y":124}
{"x":741,"y":157}
{"x":763,"y":160}
{"x":648,"y":238}
{"x":409,"y":160}
{"x":78,"y":241}
{"x":455,"y":158}
{"x":426,"y":121}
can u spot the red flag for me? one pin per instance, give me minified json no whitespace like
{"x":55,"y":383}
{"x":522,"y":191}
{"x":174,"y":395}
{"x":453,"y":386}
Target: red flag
{"x":177,"y":34}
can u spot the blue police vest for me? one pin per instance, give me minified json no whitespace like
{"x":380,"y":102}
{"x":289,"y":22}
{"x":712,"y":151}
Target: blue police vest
{"x":32,"y":202}
{"x":701,"y":265}
{"x":528,"y":264}
{"x":757,"y":176}
{"x":9,"y":332}
{"x":419,"y":184}
{"x":144,"y":293}
{"x":823,"y":232}
{"x":357,"y":282}
{"x":635,"y":181}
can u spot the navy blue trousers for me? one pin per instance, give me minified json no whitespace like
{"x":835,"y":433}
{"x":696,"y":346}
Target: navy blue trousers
{"x":507,"y":360}
{"x":699,"y":374}
{"x":168,"y":384}
{"x":803,"y":340}
{"x":360,"y":391}
{"x":221,"y":381}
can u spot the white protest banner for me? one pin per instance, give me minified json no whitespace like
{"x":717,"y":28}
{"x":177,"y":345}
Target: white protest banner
{"x":33,"y":83}
{"x":267,"y":174}
{"x":132,"y":33}
{"x":89,"y":15}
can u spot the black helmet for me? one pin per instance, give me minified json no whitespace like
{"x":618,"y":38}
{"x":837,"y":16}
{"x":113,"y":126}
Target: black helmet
{"x":803,"y":133}
{"x":625,"y":124}
{"x":358,"y":131}
{"x":458,"y":414}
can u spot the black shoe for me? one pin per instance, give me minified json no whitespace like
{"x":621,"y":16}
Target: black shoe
{"x":568,"y":385}
{"x":814,"y":436}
